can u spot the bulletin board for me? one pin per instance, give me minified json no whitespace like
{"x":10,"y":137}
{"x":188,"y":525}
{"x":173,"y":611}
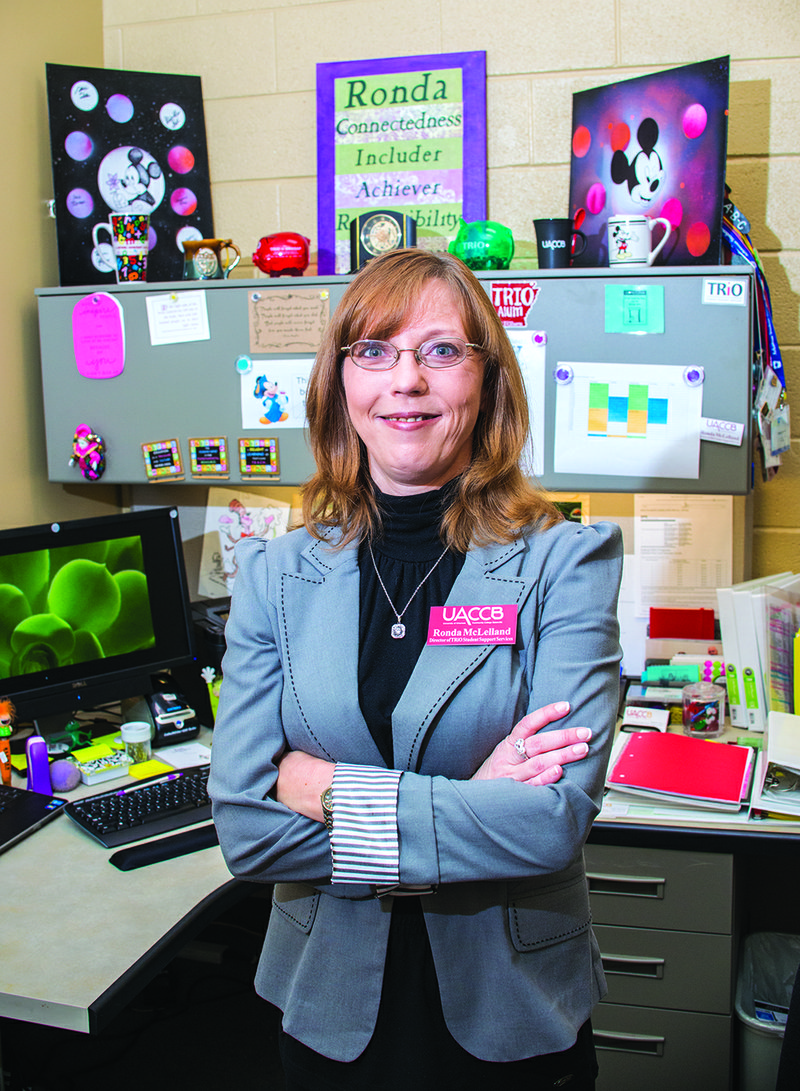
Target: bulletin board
{"x":638,"y":381}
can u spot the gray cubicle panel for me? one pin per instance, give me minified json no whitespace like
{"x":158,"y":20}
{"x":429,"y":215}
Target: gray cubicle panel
{"x":193,"y":390}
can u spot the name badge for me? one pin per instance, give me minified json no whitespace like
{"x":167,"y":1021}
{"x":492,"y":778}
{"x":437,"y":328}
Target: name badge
{"x":472,"y":625}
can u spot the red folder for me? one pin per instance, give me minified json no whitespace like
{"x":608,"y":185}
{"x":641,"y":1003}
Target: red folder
{"x":681,"y":623}
{"x":665,"y":765}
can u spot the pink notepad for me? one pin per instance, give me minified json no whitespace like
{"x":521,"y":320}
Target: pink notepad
{"x":676,"y":767}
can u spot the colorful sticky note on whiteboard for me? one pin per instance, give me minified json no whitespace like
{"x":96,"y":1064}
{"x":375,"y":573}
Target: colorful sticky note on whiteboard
{"x":98,"y":336}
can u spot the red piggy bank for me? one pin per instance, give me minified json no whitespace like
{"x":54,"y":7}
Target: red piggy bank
{"x":283,"y":252}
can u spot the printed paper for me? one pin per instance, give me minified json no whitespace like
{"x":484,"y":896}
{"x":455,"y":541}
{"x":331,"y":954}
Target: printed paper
{"x":627,"y":419}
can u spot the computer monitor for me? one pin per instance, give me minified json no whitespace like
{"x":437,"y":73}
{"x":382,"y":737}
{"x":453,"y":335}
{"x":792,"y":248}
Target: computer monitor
{"x":91,"y":611}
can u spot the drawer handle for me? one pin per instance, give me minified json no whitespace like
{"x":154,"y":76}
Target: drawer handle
{"x":628,"y":886}
{"x":647,"y":1044}
{"x":633,"y":967}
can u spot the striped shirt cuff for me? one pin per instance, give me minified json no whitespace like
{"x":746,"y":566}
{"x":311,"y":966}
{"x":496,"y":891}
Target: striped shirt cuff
{"x":365,"y":844}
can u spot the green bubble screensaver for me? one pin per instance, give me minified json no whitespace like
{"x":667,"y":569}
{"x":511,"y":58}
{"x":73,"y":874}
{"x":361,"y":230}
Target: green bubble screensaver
{"x":73,"y":604}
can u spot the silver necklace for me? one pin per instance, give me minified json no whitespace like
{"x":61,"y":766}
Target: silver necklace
{"x":399,"y":629}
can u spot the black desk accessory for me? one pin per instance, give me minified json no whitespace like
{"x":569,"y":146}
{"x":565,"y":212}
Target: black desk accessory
{"x":165,"y":848}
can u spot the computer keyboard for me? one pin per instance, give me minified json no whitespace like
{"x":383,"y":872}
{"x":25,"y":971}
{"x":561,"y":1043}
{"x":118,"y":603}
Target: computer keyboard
{"x":158,"y":805}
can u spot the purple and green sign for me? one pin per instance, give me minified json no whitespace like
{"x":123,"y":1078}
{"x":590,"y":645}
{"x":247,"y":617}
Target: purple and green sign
{"x":403,"y":133}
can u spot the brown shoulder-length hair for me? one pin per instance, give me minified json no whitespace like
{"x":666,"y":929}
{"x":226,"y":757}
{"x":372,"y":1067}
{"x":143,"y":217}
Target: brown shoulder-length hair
{"x":494,"y":500}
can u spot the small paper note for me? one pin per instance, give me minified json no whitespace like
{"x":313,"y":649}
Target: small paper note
{"x":151,"y":768}
{"x":177,"y":317}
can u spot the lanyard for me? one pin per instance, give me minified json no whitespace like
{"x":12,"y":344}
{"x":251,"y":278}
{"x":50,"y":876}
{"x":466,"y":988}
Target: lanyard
{"x":742,"y":247}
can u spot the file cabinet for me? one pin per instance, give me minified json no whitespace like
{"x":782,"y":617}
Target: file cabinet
{"x":665,"y":923}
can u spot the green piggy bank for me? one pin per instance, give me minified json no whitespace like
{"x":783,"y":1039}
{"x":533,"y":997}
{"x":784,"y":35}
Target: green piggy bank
{"x":483,"y":244}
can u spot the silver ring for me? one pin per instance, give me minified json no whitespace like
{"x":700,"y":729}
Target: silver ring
{"x":519,"y":746}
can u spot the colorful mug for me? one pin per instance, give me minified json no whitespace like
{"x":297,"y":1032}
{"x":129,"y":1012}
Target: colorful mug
{"x":130,"y":234}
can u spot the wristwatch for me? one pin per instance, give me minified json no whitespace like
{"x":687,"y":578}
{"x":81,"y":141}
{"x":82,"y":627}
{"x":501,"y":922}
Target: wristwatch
{"x":326,"y":799}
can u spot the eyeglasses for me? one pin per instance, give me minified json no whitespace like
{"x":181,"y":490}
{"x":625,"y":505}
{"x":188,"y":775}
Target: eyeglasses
{"x":383,"y":355}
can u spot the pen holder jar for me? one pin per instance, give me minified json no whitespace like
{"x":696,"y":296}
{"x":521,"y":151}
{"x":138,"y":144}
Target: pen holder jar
{"x":703,"y":710}
{"x":136,"y":736}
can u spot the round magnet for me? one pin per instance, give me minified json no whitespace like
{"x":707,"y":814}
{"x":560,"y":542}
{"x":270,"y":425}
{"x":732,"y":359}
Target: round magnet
{"x":563,"y":374}
{"x":244,"y":364}
{"x":255,"y":296}
{"x":694,"y":376}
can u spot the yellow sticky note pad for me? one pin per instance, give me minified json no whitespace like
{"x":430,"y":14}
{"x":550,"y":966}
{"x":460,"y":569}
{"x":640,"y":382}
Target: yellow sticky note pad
{"x":92,"y":753}
{"x":149,"y":769}
{"x":114,"y":740}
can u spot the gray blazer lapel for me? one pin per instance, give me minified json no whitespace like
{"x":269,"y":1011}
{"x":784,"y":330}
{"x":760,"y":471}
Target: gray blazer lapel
{"x":320,"y":613}
{"x":490,"y":576}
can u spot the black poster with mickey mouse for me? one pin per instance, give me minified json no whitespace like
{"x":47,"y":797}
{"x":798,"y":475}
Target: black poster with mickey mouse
{"x":126,"y":142}
{"x":654,"y":146}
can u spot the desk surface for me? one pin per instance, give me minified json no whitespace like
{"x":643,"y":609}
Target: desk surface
{"x":78,"y":937}
{"x":626,"y":820}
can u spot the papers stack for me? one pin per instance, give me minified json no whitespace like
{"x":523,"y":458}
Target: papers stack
{"x":683,"y":770}
{"x":777,"y":788}
{"x":748,"y":618}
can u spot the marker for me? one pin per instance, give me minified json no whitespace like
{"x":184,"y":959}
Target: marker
{"x":149,"y":783}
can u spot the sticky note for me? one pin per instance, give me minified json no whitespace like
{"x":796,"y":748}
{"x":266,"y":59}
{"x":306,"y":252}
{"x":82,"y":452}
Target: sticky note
{"x":145,"y":769}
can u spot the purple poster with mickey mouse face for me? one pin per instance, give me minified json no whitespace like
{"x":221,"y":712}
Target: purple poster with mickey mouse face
{"x":126,"y":143}
{"x":653,"y":146}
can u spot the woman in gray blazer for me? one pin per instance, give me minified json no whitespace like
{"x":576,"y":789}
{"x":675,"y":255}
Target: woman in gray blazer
{"x":419,"y":694}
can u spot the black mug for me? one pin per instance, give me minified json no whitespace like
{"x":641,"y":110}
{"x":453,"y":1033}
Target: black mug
{"x":555,"y":240}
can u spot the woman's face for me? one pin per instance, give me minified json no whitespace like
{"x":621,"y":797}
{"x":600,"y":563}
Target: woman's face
{"x":416,"y":422}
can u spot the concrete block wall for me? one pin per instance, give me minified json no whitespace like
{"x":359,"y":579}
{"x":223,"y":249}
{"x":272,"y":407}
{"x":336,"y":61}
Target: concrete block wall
{"x":257,"y":61}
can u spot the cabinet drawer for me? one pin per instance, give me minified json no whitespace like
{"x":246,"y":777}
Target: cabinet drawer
{"x":663,"y":969}
{"x":661,"y":888}
{"x":661,"y":1050}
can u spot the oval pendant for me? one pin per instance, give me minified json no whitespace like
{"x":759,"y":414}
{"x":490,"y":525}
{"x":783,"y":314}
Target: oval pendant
{"x":398,"y":630}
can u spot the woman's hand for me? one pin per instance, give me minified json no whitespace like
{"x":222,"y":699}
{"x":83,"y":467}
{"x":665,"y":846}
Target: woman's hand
{"x":523,"y":755}
{"x":536,"y":759}
{"x":301,"y":781}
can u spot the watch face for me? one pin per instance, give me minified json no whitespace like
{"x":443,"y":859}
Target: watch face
{"x":380,"y":233}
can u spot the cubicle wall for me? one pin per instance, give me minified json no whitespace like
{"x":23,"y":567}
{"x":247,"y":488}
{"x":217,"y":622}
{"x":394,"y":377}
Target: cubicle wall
{"x":625,"y":371}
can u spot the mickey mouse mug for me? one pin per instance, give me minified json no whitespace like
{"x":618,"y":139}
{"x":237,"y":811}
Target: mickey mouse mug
{"x":630,"y":240}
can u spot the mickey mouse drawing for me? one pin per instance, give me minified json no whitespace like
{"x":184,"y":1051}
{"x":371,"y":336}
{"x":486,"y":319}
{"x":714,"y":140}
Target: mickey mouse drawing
{"x":620,"y":237}
{"x":645,"y":172}
{"x":135,"y":182}
{"x":274,"y":400}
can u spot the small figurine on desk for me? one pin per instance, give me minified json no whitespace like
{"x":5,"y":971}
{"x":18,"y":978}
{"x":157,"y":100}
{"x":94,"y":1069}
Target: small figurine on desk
{"x":89,"y":451}
{"x":7,"y":714}
{"x":213,"y":681}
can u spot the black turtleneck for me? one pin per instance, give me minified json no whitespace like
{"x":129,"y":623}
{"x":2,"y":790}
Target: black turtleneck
{"x":405,"y":552}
